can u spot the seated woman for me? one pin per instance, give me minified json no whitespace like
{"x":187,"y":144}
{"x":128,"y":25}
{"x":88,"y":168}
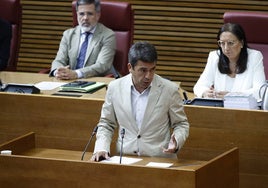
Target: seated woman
{"x":234,"y":67}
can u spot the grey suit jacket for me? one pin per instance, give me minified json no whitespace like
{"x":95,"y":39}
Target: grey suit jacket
{"x":100,"y":51}
{"x":164,"y":112}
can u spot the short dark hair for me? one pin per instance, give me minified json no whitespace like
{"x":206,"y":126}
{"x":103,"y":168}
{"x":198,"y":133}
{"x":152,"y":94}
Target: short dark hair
{"x":85,"y":2}
{"x":143,"y":51}
{"x":238,"y":31}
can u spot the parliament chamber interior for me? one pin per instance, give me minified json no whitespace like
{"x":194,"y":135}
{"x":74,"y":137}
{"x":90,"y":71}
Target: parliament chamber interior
{"x":225,"y":148}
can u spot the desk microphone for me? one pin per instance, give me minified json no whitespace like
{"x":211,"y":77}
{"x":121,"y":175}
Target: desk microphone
{"x":185,"y":101}
{"x":2,"y":86}
{"x":92,"y":134}
{"x":122,"y":132}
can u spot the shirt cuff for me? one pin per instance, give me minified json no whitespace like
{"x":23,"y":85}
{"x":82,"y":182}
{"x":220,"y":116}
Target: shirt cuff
{"x":54,"y":72}
{"x":79,"y":74}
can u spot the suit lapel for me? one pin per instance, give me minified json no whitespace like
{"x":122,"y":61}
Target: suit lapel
{"x":94,"y":40}
{"x":75,"y":47}
{"x":153,"y":97}
{"x":127,"y":98}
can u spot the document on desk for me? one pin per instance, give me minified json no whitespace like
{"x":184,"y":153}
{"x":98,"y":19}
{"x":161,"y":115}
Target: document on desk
{"x":162,"y":165}
{"x":48,"y":85}
{"x":240,"y":101}
{"x":125,"y":160}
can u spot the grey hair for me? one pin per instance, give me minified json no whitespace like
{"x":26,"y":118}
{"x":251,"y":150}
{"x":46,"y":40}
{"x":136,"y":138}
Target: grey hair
{"x":88,"y":2}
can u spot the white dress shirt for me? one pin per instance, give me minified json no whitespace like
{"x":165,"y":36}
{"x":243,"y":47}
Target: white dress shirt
{"x":139,"y":103}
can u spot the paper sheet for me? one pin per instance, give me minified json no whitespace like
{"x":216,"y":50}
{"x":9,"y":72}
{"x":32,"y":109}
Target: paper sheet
{"x":48,"y":85}
{"x":125,"y":160}
{"x":162,"y":165}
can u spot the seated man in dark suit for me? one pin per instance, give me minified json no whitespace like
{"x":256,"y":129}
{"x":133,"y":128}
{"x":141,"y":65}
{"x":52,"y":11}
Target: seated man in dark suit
{"x":5,"y":40}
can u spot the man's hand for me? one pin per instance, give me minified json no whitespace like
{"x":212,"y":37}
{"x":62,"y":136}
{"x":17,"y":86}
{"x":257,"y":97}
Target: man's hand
{"x":172,"y":146}
{"x":64,"y":73}
{"x":99,"y":156}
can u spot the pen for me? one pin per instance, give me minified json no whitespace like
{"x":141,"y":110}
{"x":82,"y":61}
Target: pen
{"x":214,"y":92}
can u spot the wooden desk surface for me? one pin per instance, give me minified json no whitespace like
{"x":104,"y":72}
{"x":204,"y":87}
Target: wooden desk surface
{"x":185,"y":164}
{"x":34,"y":78}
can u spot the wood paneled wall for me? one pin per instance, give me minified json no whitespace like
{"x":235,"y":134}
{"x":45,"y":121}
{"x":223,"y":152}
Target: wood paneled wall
{"x":184,"y":31}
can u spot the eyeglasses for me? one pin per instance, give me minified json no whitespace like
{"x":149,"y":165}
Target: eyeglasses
{"x":82,"y":14}
{"x":222,"y":44}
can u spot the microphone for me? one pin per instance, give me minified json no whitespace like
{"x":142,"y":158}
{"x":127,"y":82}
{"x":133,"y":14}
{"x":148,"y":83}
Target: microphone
{"x":2,"y":86}
{"x":115,"y":73}
{"x":122,"y":132}
{"x":185,"y":101}
{"x":92,"y":134}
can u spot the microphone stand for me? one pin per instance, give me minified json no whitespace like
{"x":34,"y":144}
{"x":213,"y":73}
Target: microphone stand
{"x":122,"y":132}
{"x":92,"y":134}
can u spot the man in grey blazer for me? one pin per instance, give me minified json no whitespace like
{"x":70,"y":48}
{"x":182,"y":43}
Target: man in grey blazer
{"x":146,"y":106}
{"x":99,"y":48}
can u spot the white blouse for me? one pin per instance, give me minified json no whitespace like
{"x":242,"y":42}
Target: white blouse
{"x":249,"y":82}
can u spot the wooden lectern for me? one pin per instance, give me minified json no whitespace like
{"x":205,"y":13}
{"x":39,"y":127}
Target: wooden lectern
{"x":30,"y":166}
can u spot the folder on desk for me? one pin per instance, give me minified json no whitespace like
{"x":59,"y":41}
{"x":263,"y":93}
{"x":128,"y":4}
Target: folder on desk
{"x":206,"y":102}
{"x":78,"y":84}
{"x":82,"y":86}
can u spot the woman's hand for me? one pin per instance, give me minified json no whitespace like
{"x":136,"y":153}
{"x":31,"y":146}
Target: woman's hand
{"x":209,"y":93}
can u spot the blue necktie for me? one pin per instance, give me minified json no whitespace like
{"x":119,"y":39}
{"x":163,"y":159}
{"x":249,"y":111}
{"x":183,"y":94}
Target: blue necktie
{"x":83,"y":51}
